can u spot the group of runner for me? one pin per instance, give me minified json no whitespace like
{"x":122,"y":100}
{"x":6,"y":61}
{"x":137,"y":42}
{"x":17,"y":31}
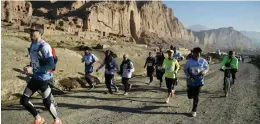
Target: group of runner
{"x":111,"y":67}
{"x":195,"y":69}
{"x":43,"y":60}
{"x":168,"y":67}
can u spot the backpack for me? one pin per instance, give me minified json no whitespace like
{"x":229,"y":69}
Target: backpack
{"x":53,"y":55}
{"x":228,"y":64}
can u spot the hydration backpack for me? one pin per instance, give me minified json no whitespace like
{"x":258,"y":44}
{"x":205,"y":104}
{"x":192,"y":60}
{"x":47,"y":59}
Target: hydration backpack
{"x":53,"y":55}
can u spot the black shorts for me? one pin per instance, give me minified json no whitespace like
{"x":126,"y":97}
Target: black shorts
{"x":193,"y":91}
{"x":150,"y":72}
{"x":36,"y":85}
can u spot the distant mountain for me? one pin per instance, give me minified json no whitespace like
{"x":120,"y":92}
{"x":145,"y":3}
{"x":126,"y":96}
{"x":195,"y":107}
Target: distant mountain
{"x":225,"y":38}
{"x":251,"y":34}
{"x":255,"y":36}
{"x":197,"y":27}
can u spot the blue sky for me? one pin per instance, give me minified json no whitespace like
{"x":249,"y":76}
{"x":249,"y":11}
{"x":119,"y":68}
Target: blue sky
{"x":241,"y":15}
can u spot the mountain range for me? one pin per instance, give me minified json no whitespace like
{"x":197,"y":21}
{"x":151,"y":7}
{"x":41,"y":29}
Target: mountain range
{"x":252,"y":35}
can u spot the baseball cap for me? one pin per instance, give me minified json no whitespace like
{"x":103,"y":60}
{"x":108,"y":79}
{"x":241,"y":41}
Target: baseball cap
{"x":37,"y":27}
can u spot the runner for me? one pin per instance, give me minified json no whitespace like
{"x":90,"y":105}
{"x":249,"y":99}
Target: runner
{"x":41,"y":64}
{"x":171,"y":67}
{"x":89,"y":60}
{"x":159,"y":69}
{"x":126,"y":70}
{"x":150,"y":62}
{"x":51,"y":81}
{"x":195,"y":69}
{"x":110,"y":66}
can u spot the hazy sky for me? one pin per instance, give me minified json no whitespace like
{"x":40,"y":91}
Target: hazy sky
{"x":241,"y":15}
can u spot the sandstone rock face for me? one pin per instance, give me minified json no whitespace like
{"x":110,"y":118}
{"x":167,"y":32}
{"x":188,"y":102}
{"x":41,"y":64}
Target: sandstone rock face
{"x":113,"y":19}
{"x":14,"y":10}
{"x":132,"y":21}
{"x":224,"y":38}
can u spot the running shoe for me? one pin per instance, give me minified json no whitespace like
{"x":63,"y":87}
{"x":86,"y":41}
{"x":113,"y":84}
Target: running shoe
{"x":57,"y":122}
{"x":167,"y":100}
{"x":126,"y":93}
{"x":39,"y":121}
{"x":193,"y":114}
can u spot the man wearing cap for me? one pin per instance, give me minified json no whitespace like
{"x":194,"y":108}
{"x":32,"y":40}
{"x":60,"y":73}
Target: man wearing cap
{"x":89,"y":59}
{"x":195,"y":69}
{"x":42,"y":62}
{"x":171,"y":67}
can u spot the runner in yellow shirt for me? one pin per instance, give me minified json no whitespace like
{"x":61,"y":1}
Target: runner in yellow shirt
{"x":171,"y":67}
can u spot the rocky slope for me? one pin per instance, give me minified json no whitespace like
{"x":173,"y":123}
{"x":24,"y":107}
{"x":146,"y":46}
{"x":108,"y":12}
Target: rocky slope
{"x":224,"y":38}
{"x":121,"y":21}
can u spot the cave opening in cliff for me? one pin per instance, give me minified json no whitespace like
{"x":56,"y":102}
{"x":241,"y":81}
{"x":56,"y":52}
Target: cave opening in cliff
{"x":132,"y":26}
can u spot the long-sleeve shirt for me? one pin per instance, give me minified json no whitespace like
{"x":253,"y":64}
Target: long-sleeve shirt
{"x":41,"y":60}
{"x":193,"y":68}
{"x":233,"y":62}
{"x":150,"y":62}
{"x":109,"y":68}
{"x":171,"y":68}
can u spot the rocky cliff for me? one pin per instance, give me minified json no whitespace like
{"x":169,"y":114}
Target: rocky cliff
{"x":124,"y":20}
{"x":224,"y":38}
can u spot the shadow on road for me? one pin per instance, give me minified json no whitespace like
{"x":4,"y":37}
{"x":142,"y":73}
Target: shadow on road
{"x":18,"y":70}
{"x":142,"y":110}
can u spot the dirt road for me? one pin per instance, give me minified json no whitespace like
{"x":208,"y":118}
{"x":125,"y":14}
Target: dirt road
{"x":145,"y":103}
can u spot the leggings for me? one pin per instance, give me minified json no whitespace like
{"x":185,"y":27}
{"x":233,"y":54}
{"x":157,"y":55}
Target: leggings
{"x":108,"y":80}
{"x":170,"y":82}
{"x":193,"y":93}
{"x":150,"y":72}
{"x":126,"y":84}
{"x":33,"y":86}
{"x":159,"y":75}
